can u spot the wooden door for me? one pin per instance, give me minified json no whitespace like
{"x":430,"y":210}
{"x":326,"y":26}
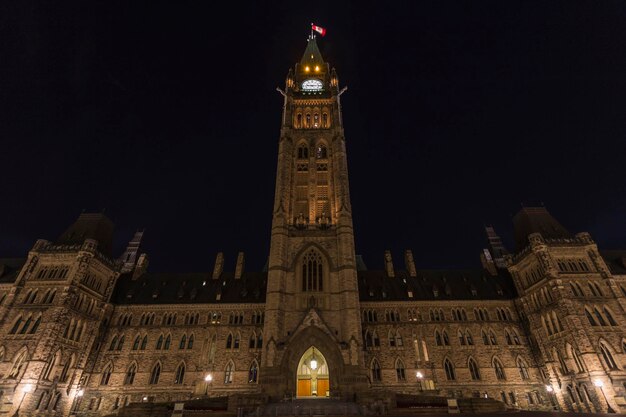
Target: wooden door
{"x":304,"y":388}
{"x":322,"y":387}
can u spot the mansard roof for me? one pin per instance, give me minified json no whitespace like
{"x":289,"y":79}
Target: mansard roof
{"x":615,"y":260}
{"x":94,"y":226}
{"x":190,"y":288}
{"x":10,"y":268}
{"x":536,"y":220}
{"x":461,"y":284}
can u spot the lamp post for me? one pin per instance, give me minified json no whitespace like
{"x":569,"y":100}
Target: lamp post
{"x":208,"y":380}
{"x":419,"y":377}
{"x":27,"y":388}
{"x":598,"y":383}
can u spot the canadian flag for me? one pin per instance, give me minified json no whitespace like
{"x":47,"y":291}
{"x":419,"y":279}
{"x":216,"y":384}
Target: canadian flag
{"x":318,"y":29}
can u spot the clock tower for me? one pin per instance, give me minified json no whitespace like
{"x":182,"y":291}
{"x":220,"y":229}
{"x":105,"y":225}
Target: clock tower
{"x":312,"y":305}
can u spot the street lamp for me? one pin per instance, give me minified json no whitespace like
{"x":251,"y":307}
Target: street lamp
{"x":419,"y":377}
{"x":27,"y":388}
{"x":208,"y":380}
{"x":598,"y":383}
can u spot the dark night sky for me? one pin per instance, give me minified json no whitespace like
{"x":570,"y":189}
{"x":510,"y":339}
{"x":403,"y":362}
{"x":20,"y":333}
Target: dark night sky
{"x":166,"y":115}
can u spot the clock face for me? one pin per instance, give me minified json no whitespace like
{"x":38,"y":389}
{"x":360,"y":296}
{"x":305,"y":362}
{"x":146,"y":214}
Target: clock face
{"x":312,"y":85}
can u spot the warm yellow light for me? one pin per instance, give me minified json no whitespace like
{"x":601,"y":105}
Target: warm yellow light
{"x":306,"y":69}
{"x":313,"y":364}
{"x":317,"y":68}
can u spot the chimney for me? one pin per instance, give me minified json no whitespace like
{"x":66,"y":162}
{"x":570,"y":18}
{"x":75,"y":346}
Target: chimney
{"x":142,"y":266}
{"x":410,"y":263}
{"x":389,"y":264}
{"x":240,"y":264}
{"x":219,"y":265}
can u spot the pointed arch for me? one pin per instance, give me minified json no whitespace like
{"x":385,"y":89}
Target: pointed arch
{"x":492,"y":338}
{"x":609,"y":316}
{"x":106,"y":373}
{"x":16,"y":325}
{"x":113,"y":343}
{"x":229,"y":372}
{"x":53,"y":361}
{"x":120,"y":343}
{"x":438,"y":340}
{"x":259,"y":340}
{"x":312,"y":271}
{"x":473,"y":368}
{"x":400,"y":371}
{"x":522,"y":367}
{"x":129,"y":379}
{"x":607,"y":356}
{"x":468,"y":338}
{"x":36,"y":325}
{"x":445,"y":338}
{"x":144,"y":342}
{"x":253,"y":372}
{"x":168,"y":341}
{"x":448,"y":367}
{"x":183,"y":342}
{"x":498,"y":369}
{"x":252,"y":342}
{"x":19,"y":363}
{"x":159,"y":343}
{"x":69,"y":364}
{"x":155,"y":373}
{"x":229,"y":341}
{"x":375,"y":371}
{"x":190,"y":341}
{"x":179,"y":377}
{"x":136,"y":342}
{"x":321,"y":150}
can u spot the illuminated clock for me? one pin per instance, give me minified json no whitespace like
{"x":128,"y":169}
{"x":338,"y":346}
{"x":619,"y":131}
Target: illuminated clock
{"x":312,"y":85}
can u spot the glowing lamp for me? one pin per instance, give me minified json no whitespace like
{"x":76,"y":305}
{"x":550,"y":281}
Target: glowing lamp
{"x":28,"y":387}
{"x":80,"y":393}
{"x":313,"y":364}
{"x":549,"y":388}
{"x":598,"y":383}
{"x":208,"y":378}
{"x":306,"y":69}
{"x":317,"y":68}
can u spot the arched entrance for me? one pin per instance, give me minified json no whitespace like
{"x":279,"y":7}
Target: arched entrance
{"x":313,"y":375}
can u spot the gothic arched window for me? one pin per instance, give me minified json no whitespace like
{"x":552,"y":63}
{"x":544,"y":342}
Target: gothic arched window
{"x":228,"y":373}
{"x":159,"y":344}
{"x":607,"y":356}
{"x":449,"y":368}
{"x":155,"y":374}
{"x":497,"y":366}
{"x":130,"y":374}
{"x":321,"y":152}
{"x":253,"y":373}
{"x":473,"y":368}
{"x":312,"y":271}
{"x":303,"y":151}
{"x":523,"y":368}
{"x":400,"y":372}
{"x":376,"y":374}
{"x":180,"y":374}
{"x":106,"y":374}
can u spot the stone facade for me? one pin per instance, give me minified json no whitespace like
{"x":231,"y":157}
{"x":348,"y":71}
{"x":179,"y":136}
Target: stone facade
{"x":85,"y":333}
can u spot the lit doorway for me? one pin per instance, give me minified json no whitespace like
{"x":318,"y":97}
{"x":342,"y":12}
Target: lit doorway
{"x":312,"y":375}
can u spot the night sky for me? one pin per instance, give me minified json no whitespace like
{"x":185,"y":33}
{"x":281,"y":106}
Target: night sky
{"x":166,"y":115}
